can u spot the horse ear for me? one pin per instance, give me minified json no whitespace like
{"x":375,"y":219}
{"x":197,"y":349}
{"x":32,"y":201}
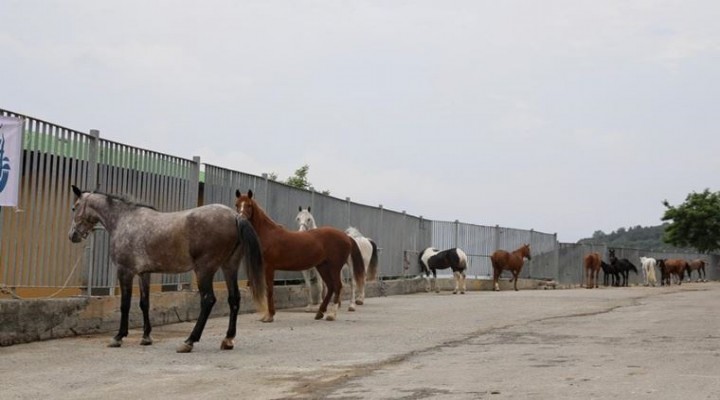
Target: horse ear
{"x":237,"y":193}
{"x":250,"y":194}
{"x":299,"y":208}
{"x":76,"y":190}
{"x":308,"y":208}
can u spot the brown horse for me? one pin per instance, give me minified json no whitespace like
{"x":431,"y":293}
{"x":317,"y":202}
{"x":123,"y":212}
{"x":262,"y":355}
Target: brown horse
{"x":592,"y":269}
{"x":513,"y":262}
{"x":325,"y":248}
{"x":699,"y":266}
{"x":670,"y":267}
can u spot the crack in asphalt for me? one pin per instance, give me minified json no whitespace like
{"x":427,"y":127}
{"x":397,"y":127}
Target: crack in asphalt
{"x":315,"y":387}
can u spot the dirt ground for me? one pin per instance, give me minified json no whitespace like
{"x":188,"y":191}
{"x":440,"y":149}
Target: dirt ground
{"x":608,"y":343}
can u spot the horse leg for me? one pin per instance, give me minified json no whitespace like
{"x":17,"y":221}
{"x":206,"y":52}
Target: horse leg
{"x":145,"y":307}
{"x":433,"y":282}
{"x":353,"y":284}
{"x":496,"y":277}
{"x":456,"y":278}
{"x":335,"y":275}
{"x":515,"y":278}
{"x":462,"y":282}
{"x":126,"y":279}
{"x":230,"y":275}
{"x":325,"y":274}
{"x":269,"y":278}
{"x":207,"y":301}
{"x":307,"y":276}
{"x":597,"y":278}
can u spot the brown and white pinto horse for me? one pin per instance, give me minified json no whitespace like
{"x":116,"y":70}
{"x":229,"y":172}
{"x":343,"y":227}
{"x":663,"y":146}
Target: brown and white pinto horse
{"x":513,"y":262}
{"x":699,"y":266}
{"x":592,"y":269}
{"x":325,"y":248}
{"x":670,"y":267}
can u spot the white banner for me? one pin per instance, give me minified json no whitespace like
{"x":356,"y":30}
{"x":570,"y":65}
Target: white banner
{"x":11,"y":131}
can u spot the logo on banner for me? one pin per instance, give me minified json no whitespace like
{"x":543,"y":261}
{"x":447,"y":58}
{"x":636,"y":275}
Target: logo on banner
{"x":4,"y":164}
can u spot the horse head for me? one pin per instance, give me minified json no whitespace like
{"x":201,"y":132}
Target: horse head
{"x":84,"y":218}
{"x":245,"y":205}
{"x":305,"y":220}
{"x":525,"y":251}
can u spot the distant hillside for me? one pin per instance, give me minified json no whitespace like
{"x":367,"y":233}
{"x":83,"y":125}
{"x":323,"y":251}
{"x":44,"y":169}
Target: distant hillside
{"x":639,"y":237}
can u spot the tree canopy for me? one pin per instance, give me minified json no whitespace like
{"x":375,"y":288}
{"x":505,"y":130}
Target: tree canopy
{"x":694,"y":223}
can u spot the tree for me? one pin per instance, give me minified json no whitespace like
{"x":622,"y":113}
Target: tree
{"x":299,"y":180}
{"x":695,"y":223}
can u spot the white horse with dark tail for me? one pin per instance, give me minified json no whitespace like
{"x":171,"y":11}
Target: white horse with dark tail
{"x":368,"y":249}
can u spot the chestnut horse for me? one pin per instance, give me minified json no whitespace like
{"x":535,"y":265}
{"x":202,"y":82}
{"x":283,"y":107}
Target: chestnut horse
{"x":699,"y":266}
{"x":670,"y":267}
{"x":325,"y":248}
{"x":513,"y":262}
{"x":592,"y":269}
{"x":145,"y":241}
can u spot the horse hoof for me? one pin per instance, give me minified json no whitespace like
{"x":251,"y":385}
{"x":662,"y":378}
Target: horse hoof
{"x":454,"y":291}
{"x":330,"y":318}
{"x":146,"y":341}
{"x":351,"y":308}
{"x":184,"y":348}
{"x":319,"y":315}
{"x":115,"y":343}
{"x":437,"y":291}
{"x":310,"y":309}
{"x":359,"y":302}
{"x":462,"y":292}
{"x":227,"y":344}
{"x":267,"y":318}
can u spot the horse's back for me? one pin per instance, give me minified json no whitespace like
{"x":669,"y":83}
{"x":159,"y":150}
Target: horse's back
{"x":296,"y":250}
{"x":500,"y":258}
{"x":592,"y":260}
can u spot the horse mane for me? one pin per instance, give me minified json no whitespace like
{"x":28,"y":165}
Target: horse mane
{"x":353,"y":232}
{"x":127,"y":200}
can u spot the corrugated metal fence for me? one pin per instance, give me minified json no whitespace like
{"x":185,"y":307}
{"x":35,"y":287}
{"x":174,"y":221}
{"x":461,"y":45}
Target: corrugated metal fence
{"x":37,"y":259}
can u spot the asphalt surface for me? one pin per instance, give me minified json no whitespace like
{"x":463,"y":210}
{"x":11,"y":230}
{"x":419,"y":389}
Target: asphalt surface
{"x":608,"y":343}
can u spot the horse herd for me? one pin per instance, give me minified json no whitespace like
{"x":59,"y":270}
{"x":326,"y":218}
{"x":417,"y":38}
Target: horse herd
{"x":212,"y":237}
{"x":617,"y":272}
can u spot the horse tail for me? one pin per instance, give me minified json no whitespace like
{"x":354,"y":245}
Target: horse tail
{"x":357,"y":263}
{"x":373,"y":266}
{"x":252,"y":255}
{"x":463,"y":260}
{"x":424,"y":267}
{"x":651,"y":273}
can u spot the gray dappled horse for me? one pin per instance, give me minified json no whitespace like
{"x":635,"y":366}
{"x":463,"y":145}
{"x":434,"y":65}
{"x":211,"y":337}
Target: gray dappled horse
{"x":144,"y":240}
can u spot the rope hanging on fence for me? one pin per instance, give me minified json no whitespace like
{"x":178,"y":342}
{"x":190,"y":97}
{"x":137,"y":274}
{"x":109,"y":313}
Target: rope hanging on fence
{"x":6,"y":290}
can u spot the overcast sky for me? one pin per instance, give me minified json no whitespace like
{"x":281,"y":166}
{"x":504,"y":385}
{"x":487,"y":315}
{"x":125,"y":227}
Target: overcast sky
{"x":561,"y":116}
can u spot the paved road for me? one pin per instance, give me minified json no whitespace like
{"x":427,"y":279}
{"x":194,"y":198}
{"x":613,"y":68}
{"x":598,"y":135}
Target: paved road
{"x":639,"y":343}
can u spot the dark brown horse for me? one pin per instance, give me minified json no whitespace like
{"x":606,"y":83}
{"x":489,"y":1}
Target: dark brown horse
{"x":513,"y":262}
{"x":143,"y":241}
{"x":670,"y":267}
{"x":699,"y":266}
{"x":325,"y":248}
{"x":592,"y":269}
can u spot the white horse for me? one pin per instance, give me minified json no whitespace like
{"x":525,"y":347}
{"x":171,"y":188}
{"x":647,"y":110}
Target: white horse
{"x":648,"y":269}
{"x":369,"y":252}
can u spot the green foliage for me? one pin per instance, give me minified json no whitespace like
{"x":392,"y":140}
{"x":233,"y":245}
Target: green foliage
{"x":300,"y":179}
{"x":637,"y":237}
{"x":273,"y":176}
{"x":695,"y":223}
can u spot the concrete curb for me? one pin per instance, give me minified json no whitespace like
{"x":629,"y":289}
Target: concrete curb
{"x":23,"y":321}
